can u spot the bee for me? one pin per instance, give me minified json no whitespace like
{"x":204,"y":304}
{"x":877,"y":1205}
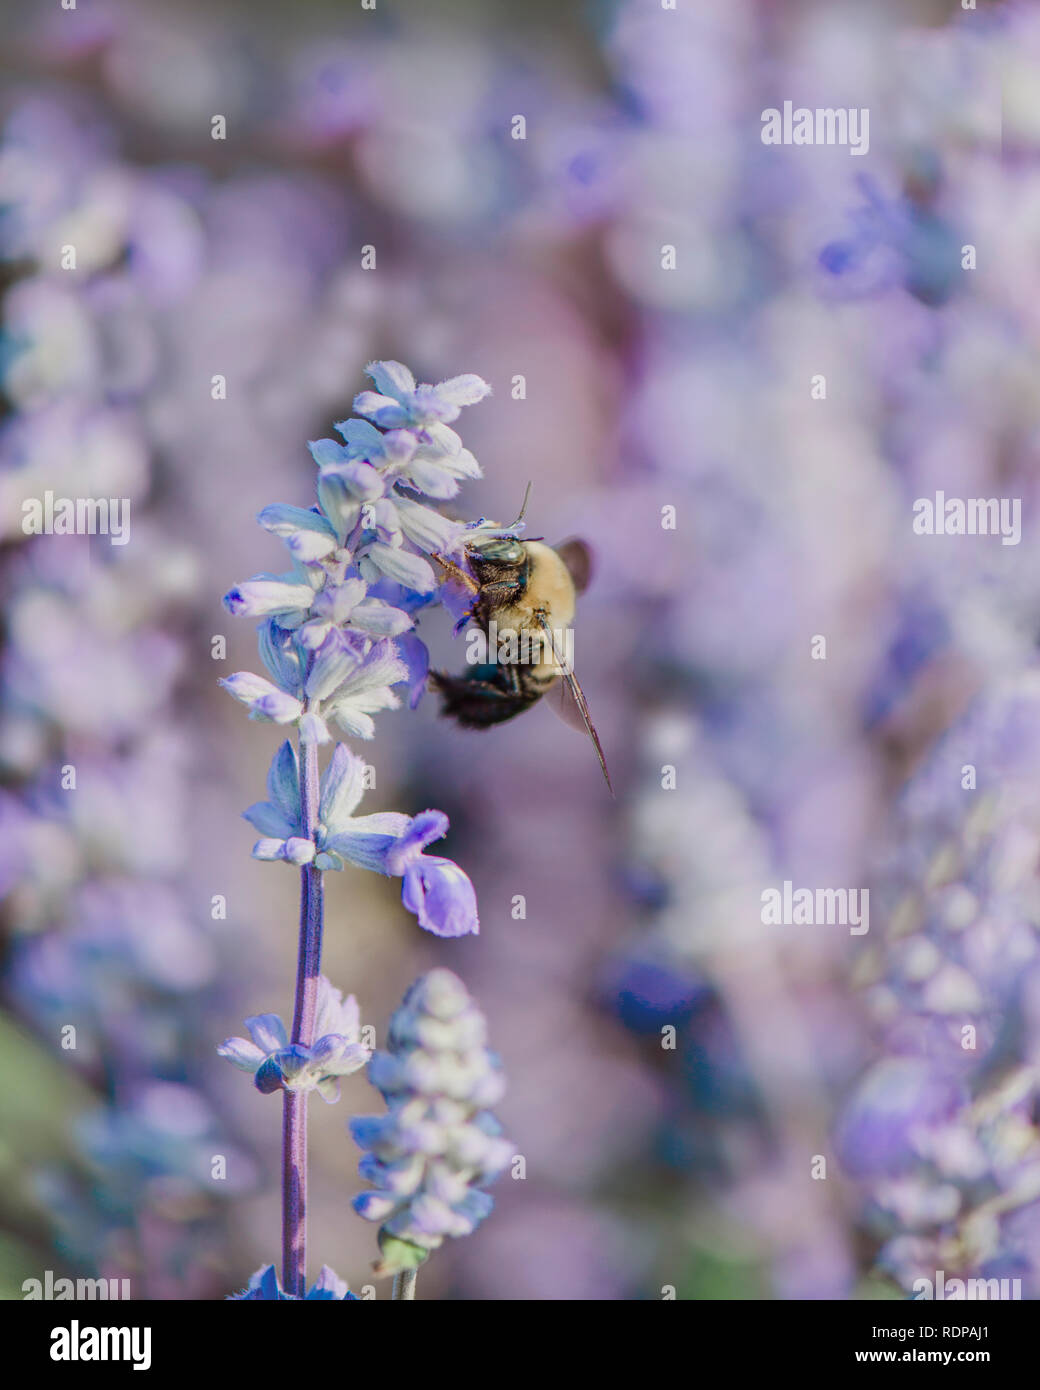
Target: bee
{"x":526,"y":591}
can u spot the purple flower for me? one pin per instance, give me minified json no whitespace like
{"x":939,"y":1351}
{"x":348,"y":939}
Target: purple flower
{"x":412,"y":650}
{"x":897,"y":1098}
{"x":435,"y":889}
{"x":430,"y":1155}
{"x":387,"y":842}
{"x":308,"y":535}
{"x":360,"y":682}
{"x":343,"y":837}
{"x":434,"y":469}
{"x":348,"y":679}
{"x":271,"y":596}
{"x":278,"y":1065}
{"x":340,"y":605}
{"x":329,"y":646}
{"x":264,"y":700}
{"x":942,"y":1130}
{"x":399,"y":403}
{"x":264,"y":1285}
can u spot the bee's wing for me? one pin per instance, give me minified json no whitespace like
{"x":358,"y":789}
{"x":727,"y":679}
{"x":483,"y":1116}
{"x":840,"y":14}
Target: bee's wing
{"x":577,"y":556}
{"x":568,"y":700}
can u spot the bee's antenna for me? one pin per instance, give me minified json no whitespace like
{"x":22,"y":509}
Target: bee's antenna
{"x":527,"y":494}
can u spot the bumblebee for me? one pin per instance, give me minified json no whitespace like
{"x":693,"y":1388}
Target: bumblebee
{"x":526,"y":590}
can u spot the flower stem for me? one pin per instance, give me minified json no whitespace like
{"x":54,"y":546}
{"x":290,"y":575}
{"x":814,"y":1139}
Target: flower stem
{"x":404,"y":1284}
{"x":294,"y":1193}
{"x":294,"y":1104}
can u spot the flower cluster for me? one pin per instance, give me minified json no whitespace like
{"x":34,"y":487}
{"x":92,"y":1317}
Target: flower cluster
{"x":430,"y":1155}
{"x":328,"y":643}
{"x":336,"y":636}
{"x":942,"y":1128}
{"x":105,"y":948}
{"x":336,"y":632}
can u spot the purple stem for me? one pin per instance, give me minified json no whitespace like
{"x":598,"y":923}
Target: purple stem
{"x":294,"y":1103}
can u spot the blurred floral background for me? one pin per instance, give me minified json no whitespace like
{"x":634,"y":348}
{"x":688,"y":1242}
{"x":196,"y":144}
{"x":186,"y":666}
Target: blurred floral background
{"x":536,"y":249}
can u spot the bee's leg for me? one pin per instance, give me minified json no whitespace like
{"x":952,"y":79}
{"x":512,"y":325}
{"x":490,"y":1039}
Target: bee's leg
{"x":544,"y":637}
{"x":467,"y":582}
{"x":459,"y":575}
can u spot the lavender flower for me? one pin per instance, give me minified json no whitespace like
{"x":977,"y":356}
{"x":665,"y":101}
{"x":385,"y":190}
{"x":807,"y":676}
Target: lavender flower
{"x":264,"y":1286}
{"x":941,"y":1129}
{"x":278,"y":1065}
{"x":330,"y":650}
{"x":429,"y":1157}
{"x":434,"y":888}
{"x":104,"y":934}
{"x":359,"y":482}
{"x":328,"y":642}
{"x":328,"y":645}
{"x":398,"y":403}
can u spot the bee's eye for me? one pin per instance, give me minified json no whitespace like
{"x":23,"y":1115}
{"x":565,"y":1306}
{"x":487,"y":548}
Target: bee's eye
{"x":503,"y":549}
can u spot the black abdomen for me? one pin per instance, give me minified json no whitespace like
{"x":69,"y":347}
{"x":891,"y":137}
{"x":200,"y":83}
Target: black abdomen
{"x":487,"y":695}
